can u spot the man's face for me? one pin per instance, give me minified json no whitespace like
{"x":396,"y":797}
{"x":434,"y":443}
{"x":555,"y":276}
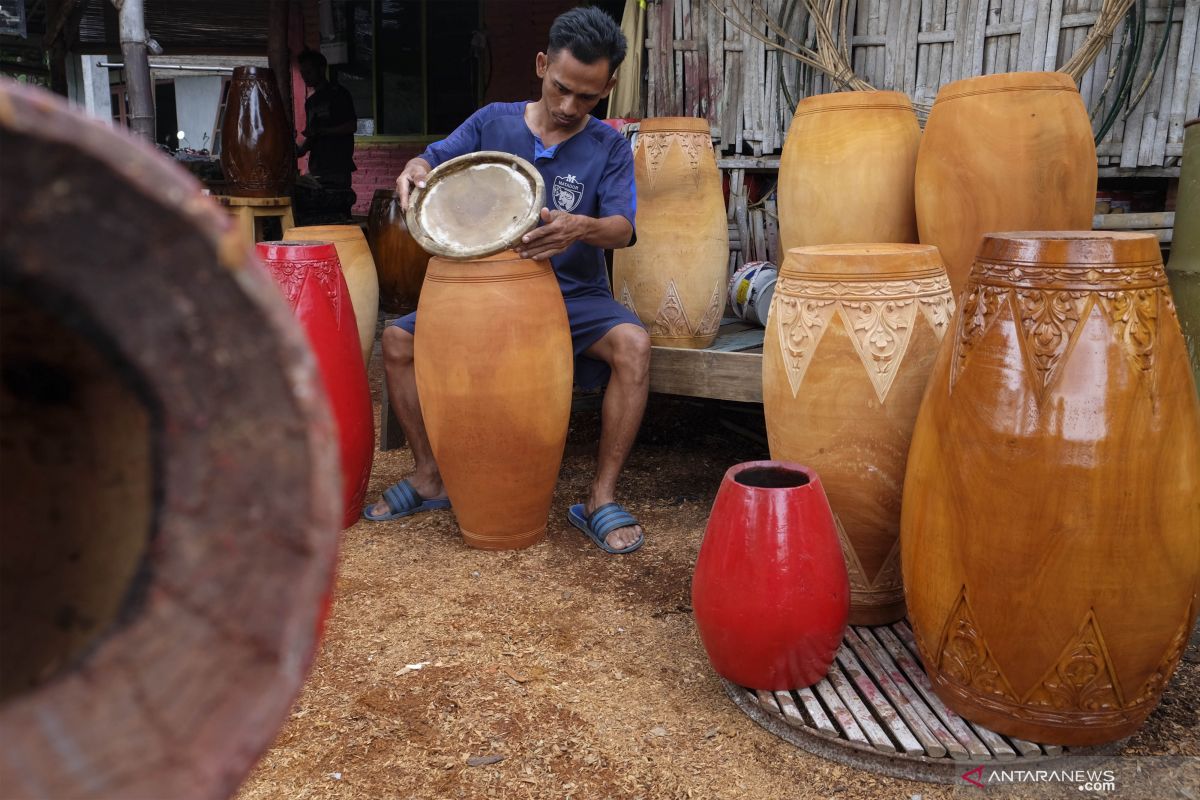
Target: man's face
{"x":310,"y":73}
{"x":570,"y":88}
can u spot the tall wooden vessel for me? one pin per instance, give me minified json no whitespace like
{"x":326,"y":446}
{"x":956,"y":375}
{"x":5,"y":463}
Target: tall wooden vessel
{"x":257,"y":147}
{"x":849,"y":346}
{"x":846,"y":172}
{"x":1052,"y":501}
{"x":495,"y":390}
{"x":1183,"y":270}
{"x":1007,"y":152}
{"x":399,"y":260}
{"x":674,"y":277}
{"x":359,"y":270}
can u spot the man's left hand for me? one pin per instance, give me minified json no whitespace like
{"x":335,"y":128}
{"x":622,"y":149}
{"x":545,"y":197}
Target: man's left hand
{"x":560,"y":231}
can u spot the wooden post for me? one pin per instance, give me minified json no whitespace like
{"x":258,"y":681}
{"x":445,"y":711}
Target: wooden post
{"x":137,"y":67}
{"x":278,"y":55}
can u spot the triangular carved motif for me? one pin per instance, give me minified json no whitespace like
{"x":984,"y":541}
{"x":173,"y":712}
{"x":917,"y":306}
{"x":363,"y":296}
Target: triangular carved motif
{"x":854,"y":568}
{"x":671,"y":319}
{"x":656,"y":146}
{"x":711,"y":320}
{"x":801,"y":322}
{"x":889,"y":571}
{"x":1050,"y":324}
{"x":938,"y":310}
{"x":1157,"y":682}
{"x":1082,"y":679}
{"x":983,"y":306}
{"x":964,"y":657}
{"x":880,"y":331}
{"x":1134,"y":315}
{"x":627,"y":297}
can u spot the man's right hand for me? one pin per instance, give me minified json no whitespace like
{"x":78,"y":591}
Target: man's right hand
{"x":414,"y":174}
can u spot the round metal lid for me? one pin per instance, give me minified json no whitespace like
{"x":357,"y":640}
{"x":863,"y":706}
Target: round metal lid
{"x":476,"y":205}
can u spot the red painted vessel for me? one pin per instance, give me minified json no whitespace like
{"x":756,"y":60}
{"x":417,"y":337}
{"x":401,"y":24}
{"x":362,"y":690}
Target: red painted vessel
{"x":310,"y":276}
{"x":770,"y":592}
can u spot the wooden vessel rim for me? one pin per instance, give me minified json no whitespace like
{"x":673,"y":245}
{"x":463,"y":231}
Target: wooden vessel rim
{"x":854,"y":101}
{"x":892,"y":276}
{"x":674,"y":125}
{"x":1006,"y":82}
{"x":333,"y":233}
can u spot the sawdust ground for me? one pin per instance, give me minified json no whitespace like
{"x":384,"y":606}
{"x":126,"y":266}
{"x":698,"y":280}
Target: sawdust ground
{"x":576,"y":674}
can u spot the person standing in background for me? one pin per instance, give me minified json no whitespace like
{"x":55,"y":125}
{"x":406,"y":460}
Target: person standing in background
{"x":330,"y":123}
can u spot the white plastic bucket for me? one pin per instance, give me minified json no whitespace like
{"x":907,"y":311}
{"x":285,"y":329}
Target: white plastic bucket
{"x":750,"y":290}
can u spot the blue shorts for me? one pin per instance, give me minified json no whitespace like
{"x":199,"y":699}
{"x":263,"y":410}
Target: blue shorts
{"x":591,"y":315}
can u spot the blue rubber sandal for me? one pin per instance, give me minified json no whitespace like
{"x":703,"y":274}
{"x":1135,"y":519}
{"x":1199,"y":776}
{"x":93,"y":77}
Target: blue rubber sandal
{"x":603,"y":521}
{"x":403,"y":501}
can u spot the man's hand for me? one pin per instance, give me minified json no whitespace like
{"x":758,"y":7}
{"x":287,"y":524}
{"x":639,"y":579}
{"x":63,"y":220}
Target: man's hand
{"x":560,"y":231}
{"x":414,"y":174}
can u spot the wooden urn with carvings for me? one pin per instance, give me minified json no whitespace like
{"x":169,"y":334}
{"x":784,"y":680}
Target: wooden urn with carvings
{"x":850,"y":342}
{"x":1007,"y":152}
{"x":846,"y":172}
{"x":674,"y":277}
{"x":1049,"y":539}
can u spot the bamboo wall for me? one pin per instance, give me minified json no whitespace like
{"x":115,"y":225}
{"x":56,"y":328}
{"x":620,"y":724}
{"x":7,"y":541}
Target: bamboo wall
{"x":699,"y":64}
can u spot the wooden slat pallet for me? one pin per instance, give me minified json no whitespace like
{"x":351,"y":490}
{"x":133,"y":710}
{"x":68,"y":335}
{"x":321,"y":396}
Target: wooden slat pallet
{"x":731,"y":369}
{"x":876,"y":711}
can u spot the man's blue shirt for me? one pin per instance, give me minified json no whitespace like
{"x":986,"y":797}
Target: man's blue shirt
{"x":589,"y":174}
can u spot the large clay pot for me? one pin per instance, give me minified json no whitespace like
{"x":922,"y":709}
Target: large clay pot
{"x":312,"y":282}
{"x":495,"y":390}
{"x":850,"y":342}
{"x":257,"y":146}
{"x":168,"y":481}
{"x":846,"y":172}
{"x":1052,"y":501}
{"x":674,"y":277}
{"x":400,"y":260}
{"x":1008,"y":152}
{"x":1183,"y":270}
{"x":359,"y":270}
{"x":770,"y":592}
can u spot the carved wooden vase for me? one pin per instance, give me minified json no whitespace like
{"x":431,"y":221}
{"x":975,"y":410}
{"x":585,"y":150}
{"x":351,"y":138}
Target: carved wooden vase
{"x":1052,"y":500}
{"x":257,"y":146}
{"x":359,"y":270}
{"x":495,"y":389}
{"x":310,"y":276}
{"x":400,"y":260}
{"x":674,"y":277}
{"x":1007,"y":152}
{"x":1183,"y":270}
{"x":846,"y":173}
{"x":769,"y":591}
{"x":849,"y":346}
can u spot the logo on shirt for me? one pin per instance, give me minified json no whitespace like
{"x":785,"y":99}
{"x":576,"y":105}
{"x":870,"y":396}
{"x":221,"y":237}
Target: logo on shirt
{"x":567,"y":192}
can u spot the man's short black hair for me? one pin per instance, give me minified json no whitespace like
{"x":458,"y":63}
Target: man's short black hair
{"x":590,"y":35}
{"x":314,"y":57}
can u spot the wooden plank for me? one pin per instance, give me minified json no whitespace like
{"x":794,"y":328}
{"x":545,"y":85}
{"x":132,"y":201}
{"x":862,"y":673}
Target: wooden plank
{"x":1026,"y":749}
{"x":1050,"y":54}
{"x":705,"y":373}
{"x":1185,"y":70}
{"x":735,"y":342}
{"x":714,"y":34}
{"x":930,"y":744}
{"x":908,"y":665}
{"x":912,"y":698}
{"x":817,"y":714}
{"x":653,"y":63}
{"x":791,"y":714}
{"x":1192,"y":34}
{"x":935,"y":37}
{"x":1166,"y":86}
{"x":841,"y":714}
{"x":679,"y":78}
{"x":883,"y":710}
{"x":1133,"y":222}
{"x":996,"y":743}
{"x":845,"y":690}
{"x":767,"y":701}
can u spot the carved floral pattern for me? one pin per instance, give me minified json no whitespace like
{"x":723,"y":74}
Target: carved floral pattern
{"x":885,"y":588}
{"x":627,"y":297}
{"x":801,"y":325}
{"x":671,"y":319}
{"x":711,"y":321}
{"x":979,"y":311}
{"x":1157,"y":682}
{"x":1049,"y":319}
{"x":878,"y":316}
{"x":657,"y":145}
{"x":1134,"y":315}
{"x":964,"y":657}
{"x":1068,"y":277}
{"x":291,"y":275}
{"x":1082,"y":678}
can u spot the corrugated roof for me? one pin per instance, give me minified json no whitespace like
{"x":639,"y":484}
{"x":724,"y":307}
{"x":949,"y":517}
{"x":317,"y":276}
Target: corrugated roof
{"x":211,"y":26}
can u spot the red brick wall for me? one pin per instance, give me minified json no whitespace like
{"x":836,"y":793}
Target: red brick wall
{"x":378,"y":165}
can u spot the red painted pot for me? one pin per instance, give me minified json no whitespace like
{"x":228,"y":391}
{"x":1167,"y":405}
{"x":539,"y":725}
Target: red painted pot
{"x":310,"y":276}
{"x":770,"y":593}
